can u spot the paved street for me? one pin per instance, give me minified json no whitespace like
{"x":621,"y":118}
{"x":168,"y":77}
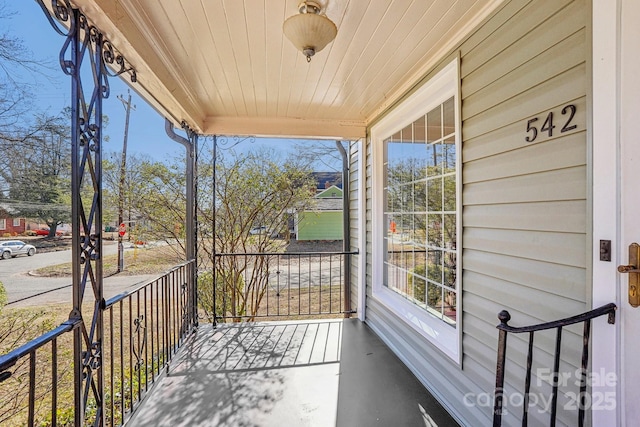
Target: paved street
{"x":27,"y":290}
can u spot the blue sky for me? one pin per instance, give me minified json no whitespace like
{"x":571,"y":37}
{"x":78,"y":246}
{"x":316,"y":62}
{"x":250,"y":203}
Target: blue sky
{"x":146,"y":127}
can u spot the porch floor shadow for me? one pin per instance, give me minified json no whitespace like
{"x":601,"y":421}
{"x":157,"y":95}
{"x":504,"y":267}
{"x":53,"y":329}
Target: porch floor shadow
{"x":302,"y":373}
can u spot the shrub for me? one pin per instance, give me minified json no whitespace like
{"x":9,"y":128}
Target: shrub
{"x":224,"y":305}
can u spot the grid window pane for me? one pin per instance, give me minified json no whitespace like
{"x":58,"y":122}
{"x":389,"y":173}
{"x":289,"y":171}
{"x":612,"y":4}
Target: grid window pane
{"x":434,"y":195}
{"x":449,"y":193}
{"x":448,"y":157}
{"x":434,"y":124}
{"x":448,"y":112}
{"x":434,"y":159}
{"x":421,"y":212}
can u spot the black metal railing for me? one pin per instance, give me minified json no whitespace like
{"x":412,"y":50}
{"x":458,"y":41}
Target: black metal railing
{"x":247,"y":286}
{"x":558,"y":325}
{"x":21,"y":370}
{"x":143,"y":330}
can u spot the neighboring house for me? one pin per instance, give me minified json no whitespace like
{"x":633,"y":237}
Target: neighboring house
{"x":325,"y":180}
{"x":322,"y":220}
{"x":10,"y":223}
{"x":331,"y":192}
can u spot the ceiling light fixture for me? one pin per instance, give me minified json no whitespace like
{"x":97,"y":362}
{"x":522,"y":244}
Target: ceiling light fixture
{"x":309,"y":31}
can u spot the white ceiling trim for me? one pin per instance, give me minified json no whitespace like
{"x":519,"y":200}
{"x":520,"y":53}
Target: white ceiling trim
{"x":285,"y":127}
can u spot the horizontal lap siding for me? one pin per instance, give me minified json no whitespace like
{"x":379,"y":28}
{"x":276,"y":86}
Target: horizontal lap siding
{"x":525,"y":222}
{"x":320,"y":225}
{"x":525,"y":204}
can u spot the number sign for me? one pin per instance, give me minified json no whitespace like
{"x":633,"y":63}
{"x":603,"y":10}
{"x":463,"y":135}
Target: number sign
{"x":548,"y":126}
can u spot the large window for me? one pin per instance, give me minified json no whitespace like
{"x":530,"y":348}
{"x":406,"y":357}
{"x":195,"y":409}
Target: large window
{"x":420,"y":215}
{"x":416,"y":213}
{"x":3,"y":224}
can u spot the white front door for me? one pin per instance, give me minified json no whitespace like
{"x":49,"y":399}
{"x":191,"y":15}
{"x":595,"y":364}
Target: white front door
{"x":616,"y":205}
{"x":629,"y":205}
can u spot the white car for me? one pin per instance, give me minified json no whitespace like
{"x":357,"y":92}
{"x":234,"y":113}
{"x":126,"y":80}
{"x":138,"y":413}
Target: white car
{"x":258,"y":230}
{"x":13,"y":248}
{"x":263,"y":230}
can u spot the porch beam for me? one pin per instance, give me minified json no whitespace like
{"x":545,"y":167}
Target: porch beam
{"x":285,"y":127}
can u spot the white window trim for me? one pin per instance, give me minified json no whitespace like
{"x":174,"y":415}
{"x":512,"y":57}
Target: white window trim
{"x":16,"y":220}
{"x":441,"y":87}
{"x":3,"y":224}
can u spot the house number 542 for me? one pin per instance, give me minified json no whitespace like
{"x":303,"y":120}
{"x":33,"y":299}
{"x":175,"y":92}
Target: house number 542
{"x":548,"y":125}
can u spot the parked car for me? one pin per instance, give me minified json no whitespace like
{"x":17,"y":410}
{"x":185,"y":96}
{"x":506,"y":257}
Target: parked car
{"x":263,"y":230}
{"x":13,"y":248}
{"x":45,"y":232}
{"x":258,"y":230}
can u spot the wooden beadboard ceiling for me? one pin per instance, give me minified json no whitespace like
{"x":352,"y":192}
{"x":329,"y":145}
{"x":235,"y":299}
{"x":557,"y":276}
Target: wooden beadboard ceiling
{"x":225,"y":67}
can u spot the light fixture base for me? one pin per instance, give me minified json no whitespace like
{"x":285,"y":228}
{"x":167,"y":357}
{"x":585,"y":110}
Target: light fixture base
{"x":308,"y":52}
{"x":310,"y":30}
{"x":309,"y":7}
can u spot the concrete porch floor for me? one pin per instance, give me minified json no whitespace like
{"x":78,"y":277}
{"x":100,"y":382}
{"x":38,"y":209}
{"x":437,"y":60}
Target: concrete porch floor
{"x":303,"y":373}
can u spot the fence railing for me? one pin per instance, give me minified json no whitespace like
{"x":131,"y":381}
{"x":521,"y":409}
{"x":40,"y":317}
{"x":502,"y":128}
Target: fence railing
{"x":275,"y":285}
{"x":21,"y":371}
{"x":143,"y":329}
{"x":555,"y":376}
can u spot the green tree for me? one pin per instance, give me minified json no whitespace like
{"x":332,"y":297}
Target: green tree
{"x":134,"y":185}
{"x":19,"y":72}
{"x":258,"y":188}
{"x":38,"y":172}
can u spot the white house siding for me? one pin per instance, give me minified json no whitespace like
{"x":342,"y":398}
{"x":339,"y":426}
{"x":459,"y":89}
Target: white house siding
{"x":525,"y":205}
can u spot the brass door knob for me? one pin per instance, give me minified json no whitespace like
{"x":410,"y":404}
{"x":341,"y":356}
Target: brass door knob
{"x":634,"y":274}
{"x":628,"y":269}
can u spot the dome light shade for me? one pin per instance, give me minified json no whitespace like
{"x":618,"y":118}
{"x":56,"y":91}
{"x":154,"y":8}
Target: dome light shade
{"x":309,"y":31}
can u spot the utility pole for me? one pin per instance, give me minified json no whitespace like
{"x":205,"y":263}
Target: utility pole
{"x":123,"y":166}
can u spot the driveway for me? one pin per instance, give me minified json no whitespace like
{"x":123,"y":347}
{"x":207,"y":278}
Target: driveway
{"x":24,"y":290}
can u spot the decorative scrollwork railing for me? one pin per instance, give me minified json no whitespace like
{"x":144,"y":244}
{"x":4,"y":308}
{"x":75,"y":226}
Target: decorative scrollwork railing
{"x":89,"y":58}
{"x":144,"y":328}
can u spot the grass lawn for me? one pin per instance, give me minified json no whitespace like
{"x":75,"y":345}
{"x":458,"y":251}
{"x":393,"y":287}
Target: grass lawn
{"x":137,"y":261}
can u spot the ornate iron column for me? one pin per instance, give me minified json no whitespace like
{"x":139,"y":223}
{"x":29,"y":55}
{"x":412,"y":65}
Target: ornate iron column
{"x":88,"y":58}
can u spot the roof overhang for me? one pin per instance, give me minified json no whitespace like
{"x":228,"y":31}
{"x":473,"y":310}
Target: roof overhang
{"x":225,"y":67}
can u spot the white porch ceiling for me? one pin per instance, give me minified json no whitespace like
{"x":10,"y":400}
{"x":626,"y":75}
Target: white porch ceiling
{"x":225,"y":67}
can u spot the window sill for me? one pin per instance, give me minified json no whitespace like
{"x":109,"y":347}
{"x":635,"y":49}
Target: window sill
{"x":441,"y":334}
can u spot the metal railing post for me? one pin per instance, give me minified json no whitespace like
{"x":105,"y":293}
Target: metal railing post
{"x":556,"y":375}
{"x":346,"y":228}
{"x":86,"y":53}
{"x":191,"y":147}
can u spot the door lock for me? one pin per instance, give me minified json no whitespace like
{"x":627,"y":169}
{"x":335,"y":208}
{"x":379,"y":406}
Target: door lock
{"x":634,"y":274}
